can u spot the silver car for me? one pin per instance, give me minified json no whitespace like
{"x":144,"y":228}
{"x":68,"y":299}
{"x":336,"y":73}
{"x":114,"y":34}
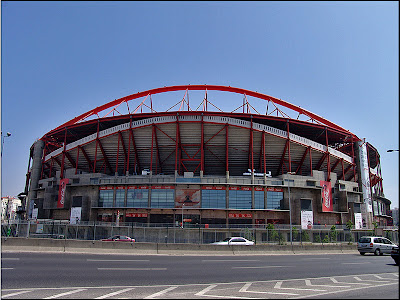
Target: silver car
{"x":375,"y":244}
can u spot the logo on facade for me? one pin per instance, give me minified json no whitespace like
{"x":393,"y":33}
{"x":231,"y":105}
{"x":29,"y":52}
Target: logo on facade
{"x":326,"y":196}
{"x":61,"y":192}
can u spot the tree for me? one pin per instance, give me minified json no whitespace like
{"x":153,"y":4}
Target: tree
{"x":333,"y":234}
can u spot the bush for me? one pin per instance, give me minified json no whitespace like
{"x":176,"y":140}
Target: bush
{"x":304,"y":236}
{"x":326,"y":239}
{"x":317,"y":239}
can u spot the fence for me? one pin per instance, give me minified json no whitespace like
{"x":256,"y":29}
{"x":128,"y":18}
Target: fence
{"x":168,"y":233}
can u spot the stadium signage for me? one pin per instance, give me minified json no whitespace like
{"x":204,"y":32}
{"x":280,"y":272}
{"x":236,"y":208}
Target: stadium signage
{"x":136,"y":215}
{"x":326,"y":193}
{"x":272,"y":189}
{"x":61,"y":192}
{"x":240,"y":216}
{"x":213,"y":188}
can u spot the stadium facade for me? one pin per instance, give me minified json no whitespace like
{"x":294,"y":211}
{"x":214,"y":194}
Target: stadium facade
{"x":205,"y":166}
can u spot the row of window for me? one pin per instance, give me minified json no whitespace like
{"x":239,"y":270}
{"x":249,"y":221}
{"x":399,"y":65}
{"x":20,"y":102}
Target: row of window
{"x":238,"y":199}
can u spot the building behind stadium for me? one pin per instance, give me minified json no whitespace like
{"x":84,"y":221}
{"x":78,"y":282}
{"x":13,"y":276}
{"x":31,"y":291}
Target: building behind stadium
{"x":198,"y":164}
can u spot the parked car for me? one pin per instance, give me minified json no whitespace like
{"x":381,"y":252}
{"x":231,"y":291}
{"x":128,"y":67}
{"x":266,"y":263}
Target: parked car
{"x":375,"y":244}
{"x":395,"y":255}
{"x":234,"y":241}
{"x":119,"y":238}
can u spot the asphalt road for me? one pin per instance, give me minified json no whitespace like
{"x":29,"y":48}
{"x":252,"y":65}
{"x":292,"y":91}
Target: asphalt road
{"x":62,"y":275}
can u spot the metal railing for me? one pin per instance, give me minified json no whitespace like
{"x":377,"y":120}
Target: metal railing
{"x":196,"y":234}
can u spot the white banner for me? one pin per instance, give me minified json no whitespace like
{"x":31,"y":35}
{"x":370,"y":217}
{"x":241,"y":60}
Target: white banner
{"x":358,"y":221}
{"x":306,"y":219}
{"x":76,"y":213}
{"x":35,"y":213}
{"x":366,"y":188}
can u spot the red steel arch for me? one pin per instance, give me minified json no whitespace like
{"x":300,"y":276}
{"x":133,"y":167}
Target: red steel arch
{"x":205,"y":87}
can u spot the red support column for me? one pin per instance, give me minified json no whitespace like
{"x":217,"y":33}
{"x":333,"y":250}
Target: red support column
{"x":176,"y":143}
{"x":311,"y":168}
{"x":63,"y":155}
{"x":342,"y":168}
{"x":152,"y":142}
{"x":226,"y":147}
{"x":288,"y":138}
{"x":354,"y":165}
{"x":77,"y":160}
{"x":251,"y":145}
{"x":129,"y":144}
{"x":116,"y":163}
{"x":95,"y":152}
{"x":328,"y":161}
{"x":202,"y":145}
{"x":265,"y":164}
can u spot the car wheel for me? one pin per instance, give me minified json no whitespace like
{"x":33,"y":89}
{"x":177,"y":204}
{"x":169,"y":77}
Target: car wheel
{"x":362,"y":253}
{"x":377,"y":252}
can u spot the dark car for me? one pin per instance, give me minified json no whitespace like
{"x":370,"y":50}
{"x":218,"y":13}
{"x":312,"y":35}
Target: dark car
{"x":395,"y":255}
{"x":119,"y":238}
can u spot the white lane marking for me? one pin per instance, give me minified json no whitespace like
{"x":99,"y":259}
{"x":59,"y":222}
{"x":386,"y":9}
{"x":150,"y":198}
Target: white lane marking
{"x":117,"y":260}
{"x":114,"y":293}
{"x":308,"y":283}
{"x":7,"y":268}
{"x":335,"y":292}
{"x":64,"y":294}
{"x":360,"y":263}
{"x":131,"y":269}
{"x":315,"y":258}
{"x":335,"y":281}
{"x":379,"y":277}
{"x":279,"y":284}
{"x":9,"y":258}
{"x":228,"y":260}
{"x":14,"y":294}
{"x":205,"y":290}
{"x":161,"y":292}
{"x":359,"y":279}
{"x":245,"y":287}
{"x":263,"y":267}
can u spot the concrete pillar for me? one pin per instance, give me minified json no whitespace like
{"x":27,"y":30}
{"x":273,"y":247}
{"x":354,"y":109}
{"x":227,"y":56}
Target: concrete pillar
{"x":35,"y":176}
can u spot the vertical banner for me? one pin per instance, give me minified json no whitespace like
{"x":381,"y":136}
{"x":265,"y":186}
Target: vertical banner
{"x":61,"y":192}
{"x":307,"y":219}
{"x":326,"y":192}
{"x":364,"y":172}
{"x":358,"y":221}
{"x":35,"y":213}
{"x":76,"y":213}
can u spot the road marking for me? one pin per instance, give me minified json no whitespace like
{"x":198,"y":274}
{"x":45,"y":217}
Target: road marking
{"x":308,"y":283}
{"x":335,"y":281}
{"x":359,"y":279}
{"x":379,"y":277}
{"x":334,"y":292}
{"x":14,"y":294}
{"x":227,"y":260}
{"x":131,"y":269}
{"x":315,"y":258}
{"x":263,"y":267}
{"x":360,"y":263}
{"x":245,"y":287}
{"x":279,"y":284}
{"x":161,"y":292}
{"x":64,"y":294}
{"x":114,"y":293}
{"x":9,"y":258}
{"x":205,"y":290}
{"x":7,"y":268}
{"x":116,"y":260}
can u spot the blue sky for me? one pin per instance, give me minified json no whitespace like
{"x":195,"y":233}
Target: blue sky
{"x":336,"y":59}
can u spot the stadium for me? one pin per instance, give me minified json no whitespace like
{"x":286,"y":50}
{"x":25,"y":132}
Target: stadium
{"x":194,"y":163}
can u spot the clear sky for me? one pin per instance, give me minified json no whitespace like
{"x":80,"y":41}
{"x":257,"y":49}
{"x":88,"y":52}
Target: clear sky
{"x":339,"y":60}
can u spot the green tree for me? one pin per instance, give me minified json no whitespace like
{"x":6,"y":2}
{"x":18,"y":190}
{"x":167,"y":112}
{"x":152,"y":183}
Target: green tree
{"x":295,"y":233}
{"x":333,"y":234}
{"x":304,"y":236}
{"x":349,"y":225}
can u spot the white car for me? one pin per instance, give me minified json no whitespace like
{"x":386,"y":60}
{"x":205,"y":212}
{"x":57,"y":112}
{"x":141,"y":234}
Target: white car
{"x":234,"y":241}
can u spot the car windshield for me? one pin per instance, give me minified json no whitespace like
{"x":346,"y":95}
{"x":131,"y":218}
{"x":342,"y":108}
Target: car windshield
{"x":226,"y":240}
{"x":364,"y":240}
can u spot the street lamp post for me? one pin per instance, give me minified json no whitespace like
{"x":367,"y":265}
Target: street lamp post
{"x":290,"y":210}
{"x":2,"y":142}
{"x":183,"y":204}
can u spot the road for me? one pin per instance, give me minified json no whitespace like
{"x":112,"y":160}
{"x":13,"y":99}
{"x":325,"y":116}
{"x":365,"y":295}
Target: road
{"x":77,"y":276}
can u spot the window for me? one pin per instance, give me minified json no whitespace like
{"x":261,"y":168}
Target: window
{"x":120,"y":198}
{"x":306,"y":204}
{"x":137,"y":197}
{"x":239,"y":199}
{"x":274,"y":200}
{"x":106,"y":198}
{"x":357,"y":207}
{"x":75,"y":180}
{"x":259,"y":200}
{"x":310,"y":183}
{"x":213,"y":198}
{"x":162,"y":198}
{"x":94,"y":180}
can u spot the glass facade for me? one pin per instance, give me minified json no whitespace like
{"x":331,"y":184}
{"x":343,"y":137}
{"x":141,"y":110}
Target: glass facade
{"x":162,"y":198}
{"x":259,"y":199}
{"x":120,"y":198}
{"x":274,"y":198}
{"x":212,"y":198}
{"x":239,"y":199}
{"x":137,"y":197}
{"x":106,"y":197}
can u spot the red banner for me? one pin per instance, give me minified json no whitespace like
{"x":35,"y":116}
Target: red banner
{"x":207,"y":187}
{"x":326,"y":194}
{"x":272,"y":189}
{"x":240,"y":216}
{"x":162,"y":187}
{"x":61,"y":192}
{"x":136,"y":215}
